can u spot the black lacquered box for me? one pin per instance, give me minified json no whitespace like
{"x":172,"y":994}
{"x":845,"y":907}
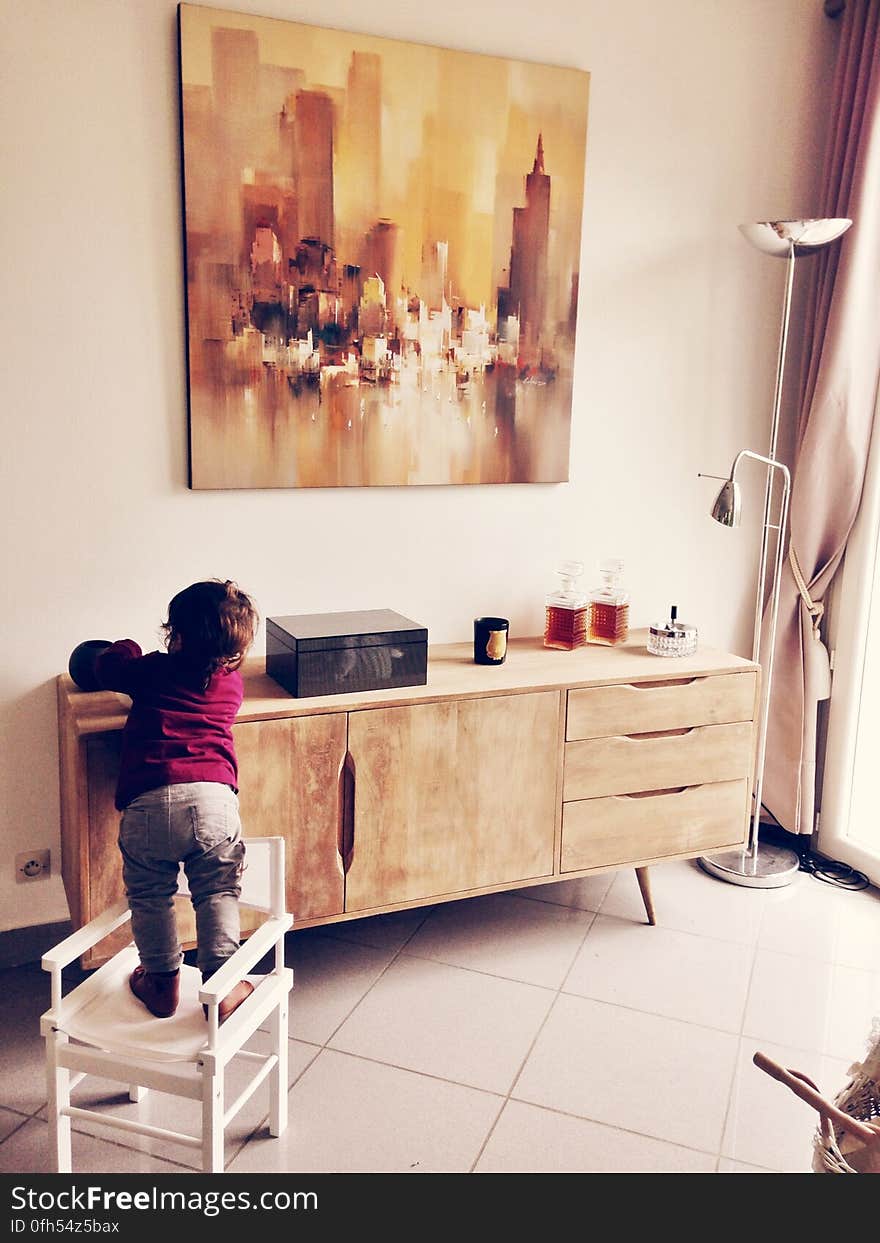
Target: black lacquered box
{"x":332,"y":653}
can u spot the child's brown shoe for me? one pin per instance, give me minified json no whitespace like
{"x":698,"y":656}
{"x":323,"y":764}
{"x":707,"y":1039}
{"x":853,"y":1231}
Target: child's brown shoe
{"x":232,"y":1000}
{"x":159,"y":993}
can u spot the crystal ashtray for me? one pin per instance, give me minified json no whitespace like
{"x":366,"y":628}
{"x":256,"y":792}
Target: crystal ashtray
{"x":675,"y":639}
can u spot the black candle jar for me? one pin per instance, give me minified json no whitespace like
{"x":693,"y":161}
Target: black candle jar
{"x":490,"y":640}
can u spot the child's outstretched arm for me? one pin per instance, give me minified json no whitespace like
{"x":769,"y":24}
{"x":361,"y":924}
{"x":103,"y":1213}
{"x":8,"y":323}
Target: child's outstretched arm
{"x":116,"y":666}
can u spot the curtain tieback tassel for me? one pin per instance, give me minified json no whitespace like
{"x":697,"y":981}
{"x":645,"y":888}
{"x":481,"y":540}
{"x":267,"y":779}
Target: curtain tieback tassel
{"x":814,"y":608}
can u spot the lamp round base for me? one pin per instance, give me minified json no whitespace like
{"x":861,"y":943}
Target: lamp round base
{"x":770,"y":867}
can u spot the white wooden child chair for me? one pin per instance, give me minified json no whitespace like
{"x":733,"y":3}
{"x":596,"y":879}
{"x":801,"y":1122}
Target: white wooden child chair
{"x":100,"y":1028}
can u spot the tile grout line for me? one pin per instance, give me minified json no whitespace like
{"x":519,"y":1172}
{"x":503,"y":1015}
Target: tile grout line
{"x":740,"y":1037}
{"x":261,"y":1123}
{"x":22,"y":1121}
{"x":420,"y":1074}
{"x":627,"y":919}
{"x":612,"y":1126}
{"x":21,"y":1113}
{"x":559,"y":990}
{"x":654,"y":1014}
{"x":391,"y":961}
{"x":505,"y":1097}
{"x":324,"y":1044}
{"x":531,"y":1047}
{"x":491,"y":975}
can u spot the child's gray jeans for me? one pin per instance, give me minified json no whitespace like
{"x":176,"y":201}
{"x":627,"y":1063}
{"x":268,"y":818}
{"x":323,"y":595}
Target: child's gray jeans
{"x":197,"y":824}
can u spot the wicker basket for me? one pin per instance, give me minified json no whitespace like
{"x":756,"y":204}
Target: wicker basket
{"x":838,"y":1151}
{"x":847,"y":1139}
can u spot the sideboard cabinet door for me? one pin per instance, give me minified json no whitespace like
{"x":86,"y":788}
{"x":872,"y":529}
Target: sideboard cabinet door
{"x":99,"y":866}
{"x":289,"y":774}
{"x":451,"y":796}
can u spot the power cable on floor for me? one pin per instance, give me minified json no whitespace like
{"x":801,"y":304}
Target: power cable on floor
{"x":831,"y":871}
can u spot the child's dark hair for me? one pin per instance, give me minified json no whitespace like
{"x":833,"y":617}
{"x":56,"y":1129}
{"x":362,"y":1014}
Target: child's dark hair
{"x":211,"y":625}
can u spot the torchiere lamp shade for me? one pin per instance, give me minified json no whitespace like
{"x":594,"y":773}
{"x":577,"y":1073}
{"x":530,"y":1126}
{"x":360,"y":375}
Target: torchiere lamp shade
{"x":776,"y":237}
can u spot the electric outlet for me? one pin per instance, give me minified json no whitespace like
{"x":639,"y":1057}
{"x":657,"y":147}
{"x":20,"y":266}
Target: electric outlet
{"x":32,"y":865}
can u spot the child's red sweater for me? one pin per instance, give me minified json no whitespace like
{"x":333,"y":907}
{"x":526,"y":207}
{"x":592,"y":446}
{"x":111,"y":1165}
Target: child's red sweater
{"x":177,"y":731}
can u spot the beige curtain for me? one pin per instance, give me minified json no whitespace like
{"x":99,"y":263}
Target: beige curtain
{"x":835,"y":418}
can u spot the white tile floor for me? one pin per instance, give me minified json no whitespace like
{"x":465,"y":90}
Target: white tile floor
{"x":544,"y":1030}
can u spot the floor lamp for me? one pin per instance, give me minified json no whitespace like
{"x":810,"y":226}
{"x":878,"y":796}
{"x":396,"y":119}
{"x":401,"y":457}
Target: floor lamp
{"x":757,"y":864}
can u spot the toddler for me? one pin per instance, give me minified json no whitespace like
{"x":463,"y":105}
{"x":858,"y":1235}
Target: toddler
{"x":177,"y":787}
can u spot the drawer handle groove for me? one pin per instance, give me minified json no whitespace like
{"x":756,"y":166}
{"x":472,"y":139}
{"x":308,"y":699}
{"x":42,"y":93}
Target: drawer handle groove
{"x":652,"y":686}
{"x":658,"y":793}
{"x":661,"y":733}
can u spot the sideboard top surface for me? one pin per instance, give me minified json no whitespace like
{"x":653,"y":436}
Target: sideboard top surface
{"x":452,"y":674}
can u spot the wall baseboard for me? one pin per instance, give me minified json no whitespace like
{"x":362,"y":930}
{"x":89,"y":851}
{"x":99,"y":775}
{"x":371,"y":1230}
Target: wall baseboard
{"x":22,"y":946}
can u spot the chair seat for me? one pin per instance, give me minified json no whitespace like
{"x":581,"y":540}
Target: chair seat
{"x":116,"y":1021}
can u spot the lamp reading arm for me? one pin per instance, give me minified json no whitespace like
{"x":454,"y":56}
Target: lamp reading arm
{"x":726,"y":510}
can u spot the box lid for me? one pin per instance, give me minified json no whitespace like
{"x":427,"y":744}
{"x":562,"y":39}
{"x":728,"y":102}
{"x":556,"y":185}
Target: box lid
{"x":315,"y":632}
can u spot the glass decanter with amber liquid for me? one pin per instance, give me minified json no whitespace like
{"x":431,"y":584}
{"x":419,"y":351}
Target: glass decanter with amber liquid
{"x":608,"y":620}
{"x":565,"y":624}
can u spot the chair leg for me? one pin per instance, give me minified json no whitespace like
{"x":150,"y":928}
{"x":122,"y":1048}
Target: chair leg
{"x":58,"y":1093}
{"x":278,"y":1077}
{"x":644,"y":878}
{"x":212,"y":1120}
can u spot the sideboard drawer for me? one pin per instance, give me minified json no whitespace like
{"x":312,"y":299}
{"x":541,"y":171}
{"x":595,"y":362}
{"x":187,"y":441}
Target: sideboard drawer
{"x":632,"y":764}
{"x":601,"y":711}
{"x":601,"y":832}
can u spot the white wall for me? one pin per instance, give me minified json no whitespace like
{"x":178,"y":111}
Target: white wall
{"x":703,"y":114}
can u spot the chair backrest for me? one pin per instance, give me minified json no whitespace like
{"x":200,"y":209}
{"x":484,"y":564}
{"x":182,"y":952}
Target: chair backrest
{"x":263,"y":880}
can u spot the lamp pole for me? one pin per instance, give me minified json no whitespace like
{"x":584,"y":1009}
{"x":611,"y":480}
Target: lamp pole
{"x":757,"y":865}
{"x":780,"y":529}
{"x":774,"y":436}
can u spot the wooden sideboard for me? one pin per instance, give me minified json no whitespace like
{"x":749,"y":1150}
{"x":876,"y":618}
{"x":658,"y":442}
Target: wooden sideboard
{"x":551,"y":766}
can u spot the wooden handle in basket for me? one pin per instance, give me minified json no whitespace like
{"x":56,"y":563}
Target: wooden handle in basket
{"x":861,"y":1130}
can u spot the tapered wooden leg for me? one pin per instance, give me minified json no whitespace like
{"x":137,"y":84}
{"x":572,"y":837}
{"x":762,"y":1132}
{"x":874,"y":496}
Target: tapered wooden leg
{"x":644,"y":879}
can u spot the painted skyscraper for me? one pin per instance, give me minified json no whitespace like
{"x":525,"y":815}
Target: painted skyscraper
{"x":528,"y":260}
{"x":314,"y":165}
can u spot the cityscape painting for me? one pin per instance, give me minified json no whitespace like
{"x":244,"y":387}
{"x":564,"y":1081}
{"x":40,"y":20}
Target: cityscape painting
{"x":382,"y":247}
